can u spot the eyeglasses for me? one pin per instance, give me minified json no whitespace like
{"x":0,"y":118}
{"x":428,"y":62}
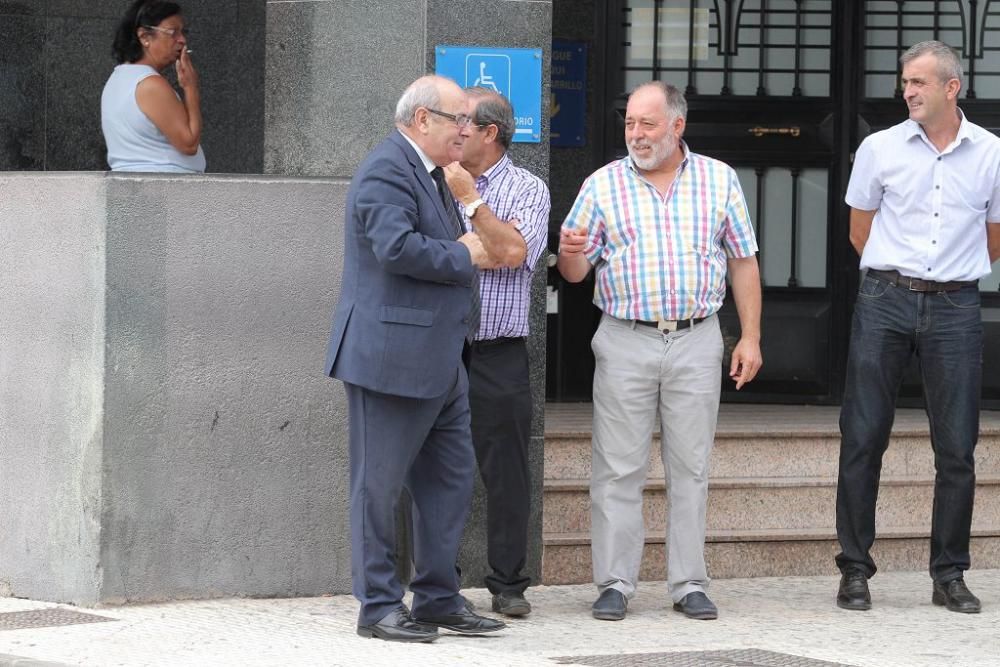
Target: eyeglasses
{"x":173,"y":32}
{"x":460,"y":119}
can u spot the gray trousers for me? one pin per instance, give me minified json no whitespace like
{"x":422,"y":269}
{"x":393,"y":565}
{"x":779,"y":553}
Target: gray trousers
{"x":639,"y":371}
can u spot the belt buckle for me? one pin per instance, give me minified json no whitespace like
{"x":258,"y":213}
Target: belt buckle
{"x":666,"y":326}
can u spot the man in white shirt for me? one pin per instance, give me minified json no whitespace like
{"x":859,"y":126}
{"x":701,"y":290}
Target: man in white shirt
{"x":925,"y":219}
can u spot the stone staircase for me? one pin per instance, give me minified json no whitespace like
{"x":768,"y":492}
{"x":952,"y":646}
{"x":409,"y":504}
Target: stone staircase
{"x":771,"y":503}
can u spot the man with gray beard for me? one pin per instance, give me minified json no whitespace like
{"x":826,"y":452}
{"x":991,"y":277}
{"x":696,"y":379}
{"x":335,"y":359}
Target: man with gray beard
{"x":661,"y":227}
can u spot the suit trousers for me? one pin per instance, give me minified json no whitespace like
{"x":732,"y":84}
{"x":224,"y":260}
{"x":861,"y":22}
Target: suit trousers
{"x":500,"y":398}
{"x":424,"y":445}
{"x":641,"y":371}
{"x":945,"y":332}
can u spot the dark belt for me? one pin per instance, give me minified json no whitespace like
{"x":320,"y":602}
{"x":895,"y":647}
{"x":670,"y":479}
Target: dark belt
{"x":478,"y":344}
{"x":670,"y":325}
{"x":919,"y":284}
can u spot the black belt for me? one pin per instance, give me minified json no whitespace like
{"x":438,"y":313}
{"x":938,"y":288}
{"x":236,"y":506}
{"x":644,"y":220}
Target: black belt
{"x":670,"y":325}
{"x":497,"y":341}
{"x":919,"y":284}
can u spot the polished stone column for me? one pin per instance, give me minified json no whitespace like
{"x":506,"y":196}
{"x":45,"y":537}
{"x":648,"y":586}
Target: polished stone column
{"x":335,"y":69}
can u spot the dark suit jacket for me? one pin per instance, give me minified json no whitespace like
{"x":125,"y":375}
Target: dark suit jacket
{"x":405,"y":298}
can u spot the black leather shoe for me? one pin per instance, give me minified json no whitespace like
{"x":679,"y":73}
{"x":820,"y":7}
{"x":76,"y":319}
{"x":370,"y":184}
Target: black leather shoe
{"x":697,"y":605}
{"x":511,"y":603}
{"x":853,"y":593}
{"x":464,"y":621}
{"x":955,"y":595}
{"x":397,"y":626}
{"x":610,"y":605}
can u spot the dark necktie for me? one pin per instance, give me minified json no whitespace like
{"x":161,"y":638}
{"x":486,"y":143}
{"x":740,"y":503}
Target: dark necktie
{"x":449,"y":205}
{"x":449,"y":202}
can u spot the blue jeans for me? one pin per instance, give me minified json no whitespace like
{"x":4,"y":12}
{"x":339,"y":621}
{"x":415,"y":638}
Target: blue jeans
{"x":944,"y":330}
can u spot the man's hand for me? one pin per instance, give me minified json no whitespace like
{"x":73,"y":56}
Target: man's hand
{"x":572,"y":242}
{"x":476,"y":251}
{"x":572,"y":263}
{"x":746,"y":361}
{"x":461,"y":183}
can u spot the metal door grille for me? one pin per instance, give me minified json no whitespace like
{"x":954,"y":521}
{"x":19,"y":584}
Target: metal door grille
{"x":969,"y":26}
{"x":730,"y":47}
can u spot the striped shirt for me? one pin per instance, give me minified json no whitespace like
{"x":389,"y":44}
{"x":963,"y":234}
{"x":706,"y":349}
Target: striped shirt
{"x":518,"y":197}
{"x":662,"y":257}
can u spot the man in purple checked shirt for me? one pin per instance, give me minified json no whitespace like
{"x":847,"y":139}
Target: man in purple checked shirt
{"x":508,"y":207}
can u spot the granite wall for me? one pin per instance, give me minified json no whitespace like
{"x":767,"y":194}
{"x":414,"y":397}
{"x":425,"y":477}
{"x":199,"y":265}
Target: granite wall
{"x":55,"y":56}
{"x":335,"y":69}
{"x":167,"y":430}
{"x":51,"y":385}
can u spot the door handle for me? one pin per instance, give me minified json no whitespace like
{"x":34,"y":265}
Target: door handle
{"x":759,"y":131}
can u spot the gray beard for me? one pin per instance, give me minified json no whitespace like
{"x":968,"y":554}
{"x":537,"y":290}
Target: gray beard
{"x":658,"y":155}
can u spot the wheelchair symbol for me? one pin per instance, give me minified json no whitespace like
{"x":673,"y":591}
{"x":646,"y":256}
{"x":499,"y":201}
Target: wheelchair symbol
{"x":485,"y":80}
{"x":490,"y":71}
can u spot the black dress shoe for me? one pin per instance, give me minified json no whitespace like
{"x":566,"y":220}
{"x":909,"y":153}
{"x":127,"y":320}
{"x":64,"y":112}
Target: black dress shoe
{"x":511,"y":603}
{"x":697,"y":605}
{"x":464,"y":621}
{"x":853,"y":593}
{"x":955,"y":595}
{"x":397,"y":626}
{"x":610,"y":605}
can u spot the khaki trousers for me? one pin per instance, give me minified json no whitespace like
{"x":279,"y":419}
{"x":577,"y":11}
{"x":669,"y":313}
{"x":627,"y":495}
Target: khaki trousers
{"x":641,"y":371}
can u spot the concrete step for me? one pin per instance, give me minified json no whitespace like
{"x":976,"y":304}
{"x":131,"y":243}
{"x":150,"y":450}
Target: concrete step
{"x":566,"y":557}
{"x":773,"y":503}
{"x":567,"y":456}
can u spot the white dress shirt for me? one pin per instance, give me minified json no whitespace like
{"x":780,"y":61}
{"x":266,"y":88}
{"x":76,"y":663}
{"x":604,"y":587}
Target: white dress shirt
{"x":428,"y":163}
{"x":932,"y":207}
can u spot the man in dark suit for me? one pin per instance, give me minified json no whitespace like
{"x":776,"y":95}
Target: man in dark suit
{"x":408,"y":300}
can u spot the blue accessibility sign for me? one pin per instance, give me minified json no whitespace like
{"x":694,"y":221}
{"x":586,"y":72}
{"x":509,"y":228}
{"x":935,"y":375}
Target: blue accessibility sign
{"x":514,"y":73}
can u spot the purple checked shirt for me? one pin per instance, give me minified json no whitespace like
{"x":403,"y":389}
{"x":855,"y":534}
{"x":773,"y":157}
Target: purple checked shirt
{"x":518,"y":197}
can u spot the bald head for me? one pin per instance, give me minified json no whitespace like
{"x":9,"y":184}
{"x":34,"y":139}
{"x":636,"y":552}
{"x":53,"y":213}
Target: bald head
{"x":432,"y":112}
{"x":426,"y":92}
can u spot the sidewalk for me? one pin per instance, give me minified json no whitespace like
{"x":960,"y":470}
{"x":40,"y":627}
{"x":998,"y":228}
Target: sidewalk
{"x":791,"y":616}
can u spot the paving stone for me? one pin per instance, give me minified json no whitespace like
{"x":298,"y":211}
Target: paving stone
{"x":786,"y":616}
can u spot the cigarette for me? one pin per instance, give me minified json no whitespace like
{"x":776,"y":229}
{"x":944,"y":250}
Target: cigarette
{"x":189,"y":51}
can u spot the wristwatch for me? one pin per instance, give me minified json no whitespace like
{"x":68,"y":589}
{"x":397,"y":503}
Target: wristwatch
{"x":470,"y":209}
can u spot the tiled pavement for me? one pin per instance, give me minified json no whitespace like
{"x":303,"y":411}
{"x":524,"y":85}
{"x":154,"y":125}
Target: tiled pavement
{"x":784,"y":621}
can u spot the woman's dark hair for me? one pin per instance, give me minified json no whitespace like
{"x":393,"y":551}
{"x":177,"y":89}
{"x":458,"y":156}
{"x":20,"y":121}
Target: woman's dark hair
{"x":126,"y":47}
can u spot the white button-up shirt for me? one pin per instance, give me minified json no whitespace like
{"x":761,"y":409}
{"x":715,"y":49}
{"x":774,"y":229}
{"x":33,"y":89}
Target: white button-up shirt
{"x":932,"y":207}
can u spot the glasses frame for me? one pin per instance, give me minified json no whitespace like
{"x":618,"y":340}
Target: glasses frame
{"x":172,"y":32}
{"x":461,"y":120}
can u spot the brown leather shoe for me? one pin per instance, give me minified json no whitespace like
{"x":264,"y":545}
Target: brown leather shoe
{"x":853,"y":593}
{"x":955,"y":595}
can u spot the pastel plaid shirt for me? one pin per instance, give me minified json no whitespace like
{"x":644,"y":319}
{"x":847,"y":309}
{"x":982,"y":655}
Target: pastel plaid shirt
{"x":662,"y":257}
